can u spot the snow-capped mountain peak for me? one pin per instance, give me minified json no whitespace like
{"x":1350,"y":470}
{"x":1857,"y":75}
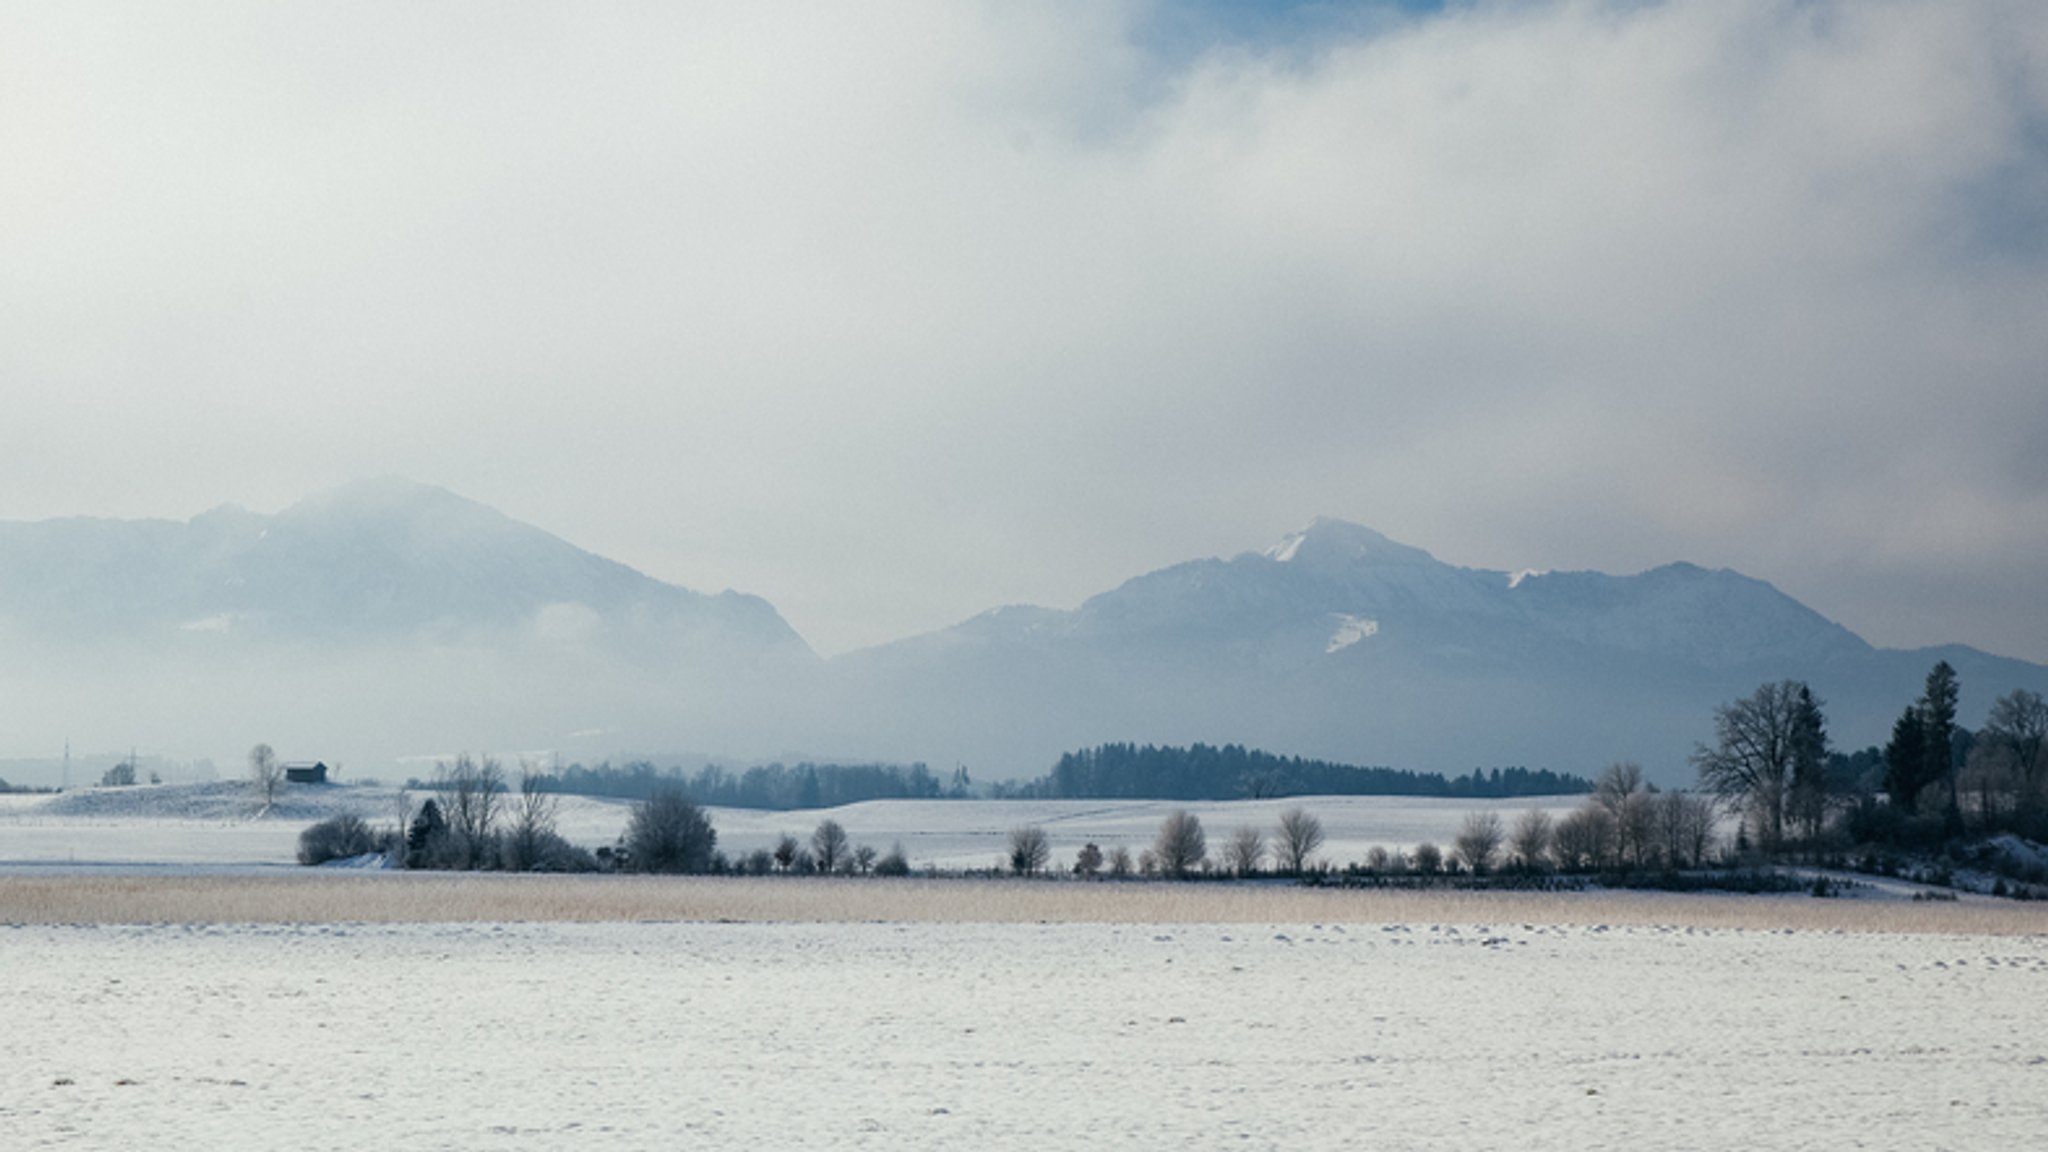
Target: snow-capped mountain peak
{"x":1331,"y":543}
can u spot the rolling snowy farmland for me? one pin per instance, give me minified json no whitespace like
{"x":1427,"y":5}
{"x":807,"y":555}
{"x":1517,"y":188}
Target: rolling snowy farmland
{"x":217,"y":823}
{"x":198,"y":993}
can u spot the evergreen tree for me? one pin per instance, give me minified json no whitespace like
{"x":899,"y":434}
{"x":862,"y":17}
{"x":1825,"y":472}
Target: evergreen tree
{"x":424,"y":837}
{"x":1809,"y":762}
{"x":1938,"y":729}
{"x":1905,"y":760}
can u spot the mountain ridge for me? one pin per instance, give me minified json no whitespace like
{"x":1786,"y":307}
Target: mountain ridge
{"x":392,"y":616}
{"x":1341,"y":643}
{"x":372,"y":559}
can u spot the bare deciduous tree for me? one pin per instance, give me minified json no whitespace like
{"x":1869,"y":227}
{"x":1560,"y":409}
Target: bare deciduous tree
{"x":1756,"y":740}
{"x":2016,"y":736}
{"x":1685,"y":828}
{"x":533,"y":821}
{"x":1181,"y":845}
{"x":1530,"y":840}
{"x":1479,"y":841}
{"x":1584,"y":839}
{"x":1120,"y":863}
{"x":471,"y":790}
{"x":1300,"y":835}
{"x":1246,"y":850}
{"x":828,"y":844}
{"x":265,"y":772}
{"x":1618,"y":781}
{"x":1619,"y":793}
{"x":1635,"y":830}
{"x":1088,"y":861}
{"x":1029,"y":850}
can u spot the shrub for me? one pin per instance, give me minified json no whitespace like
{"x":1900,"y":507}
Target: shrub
{"x":1429,"y":859}
{"x":667,"y":833}
{"x":337,"y":838}
{"x":543,"y":852}
{"x":895,"y":863}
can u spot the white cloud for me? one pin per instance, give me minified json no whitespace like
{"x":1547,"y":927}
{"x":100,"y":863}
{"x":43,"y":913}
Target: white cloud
{"x":892,"y":314}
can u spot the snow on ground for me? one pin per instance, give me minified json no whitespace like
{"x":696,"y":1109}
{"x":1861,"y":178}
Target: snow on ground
{"x":224,"y":823}
{"x":916,"y":1036}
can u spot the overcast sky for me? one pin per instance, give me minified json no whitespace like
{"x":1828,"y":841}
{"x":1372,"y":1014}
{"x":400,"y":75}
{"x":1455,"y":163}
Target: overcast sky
{"x":891,"y":313}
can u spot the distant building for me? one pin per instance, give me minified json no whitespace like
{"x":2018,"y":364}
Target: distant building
{"x":313,"y":772}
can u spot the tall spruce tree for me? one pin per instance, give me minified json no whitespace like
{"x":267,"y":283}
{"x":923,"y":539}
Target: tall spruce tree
{"x":1938,"y":729}
{"x":1905,"y":760}
{"x":1809,"y":763}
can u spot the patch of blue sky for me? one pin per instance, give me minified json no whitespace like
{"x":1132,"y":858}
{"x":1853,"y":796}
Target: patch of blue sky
{"x":1179,"y":30}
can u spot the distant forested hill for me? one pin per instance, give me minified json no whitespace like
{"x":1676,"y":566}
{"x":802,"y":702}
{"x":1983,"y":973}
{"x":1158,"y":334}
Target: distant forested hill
{"x":763,"y":786}
{"x":1204,"y":772}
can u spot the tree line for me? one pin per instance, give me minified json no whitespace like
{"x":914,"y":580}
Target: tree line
{"x":768,"y":786}
{"x":1234,"y":772}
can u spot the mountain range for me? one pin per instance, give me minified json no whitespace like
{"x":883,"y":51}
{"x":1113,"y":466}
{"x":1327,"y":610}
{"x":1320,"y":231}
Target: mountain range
{"x":388,"y":618}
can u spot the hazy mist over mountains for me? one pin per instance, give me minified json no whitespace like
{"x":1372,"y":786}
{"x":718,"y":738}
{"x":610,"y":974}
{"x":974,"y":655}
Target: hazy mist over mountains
{"x":387,"y":619}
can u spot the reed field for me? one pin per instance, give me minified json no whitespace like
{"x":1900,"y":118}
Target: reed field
{"x":332,"y":897}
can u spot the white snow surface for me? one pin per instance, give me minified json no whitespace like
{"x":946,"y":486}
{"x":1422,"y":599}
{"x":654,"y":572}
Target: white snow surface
{"x":1350,"y":630}
{"x":1284,"y":551}
{"x":1022,"y":1036}
{"x":223,"y":823}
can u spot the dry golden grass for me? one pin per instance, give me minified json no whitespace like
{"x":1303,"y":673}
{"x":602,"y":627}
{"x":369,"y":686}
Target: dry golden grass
{"x":327,"y":897}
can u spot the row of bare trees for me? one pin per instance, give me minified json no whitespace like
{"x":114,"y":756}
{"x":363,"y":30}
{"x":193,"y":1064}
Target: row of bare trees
{"x":475,"y":821}
{"x":1181,"y":849}
{"x":1625,"y":824}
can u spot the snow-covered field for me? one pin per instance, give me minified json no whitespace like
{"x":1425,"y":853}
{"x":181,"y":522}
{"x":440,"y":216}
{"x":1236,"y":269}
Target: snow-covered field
{"x":1017,"y":1036}
{"x":219,"y":824}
